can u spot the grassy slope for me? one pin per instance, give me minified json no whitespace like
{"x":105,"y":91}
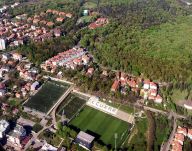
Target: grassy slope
{"x":102,"y":124}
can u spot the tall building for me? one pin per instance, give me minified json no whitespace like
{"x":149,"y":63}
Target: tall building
{"x":2,"y":44}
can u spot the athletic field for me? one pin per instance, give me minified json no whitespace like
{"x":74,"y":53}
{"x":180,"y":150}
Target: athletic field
{"x":71,"y":105}
{"x":104,"y":125}
{"x":47,"y":96}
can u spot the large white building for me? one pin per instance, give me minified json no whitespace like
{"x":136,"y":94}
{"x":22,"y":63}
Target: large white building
{"x":4,"y":126}
{"x":2,"y":44}
{"x":15,"y":137}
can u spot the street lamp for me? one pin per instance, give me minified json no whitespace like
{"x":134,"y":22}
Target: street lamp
{"x":115,"y":135}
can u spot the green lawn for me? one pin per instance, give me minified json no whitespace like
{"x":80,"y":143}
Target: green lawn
{"x":102,"y":124}
{"x":47,"y":96}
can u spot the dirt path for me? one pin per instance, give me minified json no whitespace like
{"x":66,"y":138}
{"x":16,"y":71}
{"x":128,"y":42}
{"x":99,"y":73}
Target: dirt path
{"x":150,"y":131}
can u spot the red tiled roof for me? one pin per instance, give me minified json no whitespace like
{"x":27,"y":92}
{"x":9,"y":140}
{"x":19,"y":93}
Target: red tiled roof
{"x":115,"y":85}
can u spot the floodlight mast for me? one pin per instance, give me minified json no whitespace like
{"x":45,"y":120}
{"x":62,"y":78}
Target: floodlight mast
{"x":115,"y":141}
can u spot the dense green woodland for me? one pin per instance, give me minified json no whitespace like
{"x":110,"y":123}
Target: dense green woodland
{"x":151,"y":37}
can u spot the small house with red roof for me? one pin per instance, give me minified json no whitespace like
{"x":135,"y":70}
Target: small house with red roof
{"x":115,"y":86}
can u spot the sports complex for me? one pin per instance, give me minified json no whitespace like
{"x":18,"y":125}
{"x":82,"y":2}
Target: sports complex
{"x":95,"y":118}
{"x":46,"y":97}
{"x":86,"y":113}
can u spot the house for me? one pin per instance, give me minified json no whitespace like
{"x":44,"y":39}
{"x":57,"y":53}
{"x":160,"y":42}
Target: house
{"x":50,"y":24}
{"x":36,"y":21}
{"x":85,"y":59}
{"x":15,"y":4}
{"x":182,"y":130}
{"x":57,"y":32}
{"x":17,"y":56}
{"x":146,"y":84}
{"x":158,"y":99}
{"x":132,"y":83}
{"x":176,"y":146}
{"x":69,"y":15}
{"x":60,"y":19}
{"x":105,"y":73}
{"x":153,"y":92}
{"x":6,"y":56}
{"x":151,"y":97}
{"x":102,"y":21}
{"x":48,"y":147}
{"x":18,"y":95}
{"x":115,"y":86}
{"x":77,"y":61}
{"x":2,"y":92}
{"x":189,"y":134}
{"x":35,"y":86}
{"x":4,"y":127}
{"x":3,"y":44}
{"x":16,"y":136}
{"x":153,"y":85}
{"x":5,"y":68}
{"x":2,"y":85}
{"x":90,"y":71}
{"x":179,"y":138}
{"x":85,"y":140}
{"x":28,"y":65}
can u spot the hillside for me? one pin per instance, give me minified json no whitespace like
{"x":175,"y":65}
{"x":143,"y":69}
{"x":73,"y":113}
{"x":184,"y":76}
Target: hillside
{"x":156,"y":44}
{"x":152,"y":37}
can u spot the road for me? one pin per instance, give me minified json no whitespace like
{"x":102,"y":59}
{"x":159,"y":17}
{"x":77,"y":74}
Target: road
{"x":35,"y":137}
{"x":166,"y":145}
{"x":171,"y":113}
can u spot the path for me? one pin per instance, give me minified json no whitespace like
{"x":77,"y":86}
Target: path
{"x":166,"y":145}
{"x":54,"y":109}
{"x":35,"y":137}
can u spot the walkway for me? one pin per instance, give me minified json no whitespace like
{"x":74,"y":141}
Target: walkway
{"x":166,"y":145}
{"x":54,"y":109}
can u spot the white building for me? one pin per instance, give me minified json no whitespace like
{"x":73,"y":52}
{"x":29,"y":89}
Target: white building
{"x":2,"y":44}
{"x":47,"y":147}
{"x":6,"y":56}
{"x":2,"y":92}
{"x":34,"y":86}
{"x":17,"y":56}
{"x":14,"y":137}
{"x":4,"y":126}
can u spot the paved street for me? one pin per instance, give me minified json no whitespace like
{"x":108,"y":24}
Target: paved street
{"x":166,"y":145}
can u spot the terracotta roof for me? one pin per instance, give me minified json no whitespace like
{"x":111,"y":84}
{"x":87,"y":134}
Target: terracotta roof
{"x":115,"y":85}
{"x":179,"y":137}
{"x":182,"y":130}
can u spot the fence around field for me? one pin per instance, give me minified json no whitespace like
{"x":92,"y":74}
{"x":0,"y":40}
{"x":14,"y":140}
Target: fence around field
{"x":47,"y":96}
{"x":72,"y":104}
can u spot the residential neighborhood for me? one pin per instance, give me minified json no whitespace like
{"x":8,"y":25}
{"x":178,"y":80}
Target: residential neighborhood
{"x":95,"y":75}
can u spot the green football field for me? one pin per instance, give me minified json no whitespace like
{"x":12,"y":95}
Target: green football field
{"x":47,"y":96}
{"x":102,"y":124}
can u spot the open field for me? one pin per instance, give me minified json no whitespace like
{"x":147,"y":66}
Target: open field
{"x":47,"y":96}
{"x":71,"y":105}
{"x":101,"y":125}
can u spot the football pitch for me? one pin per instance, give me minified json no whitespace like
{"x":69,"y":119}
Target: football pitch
{"x":103,"y":125}
{"x":71,"y":105}
{"x":47,"y":96}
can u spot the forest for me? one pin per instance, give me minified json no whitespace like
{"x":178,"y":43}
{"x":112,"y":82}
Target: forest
{"x":154,"y":44}
{"x":152,"y":37}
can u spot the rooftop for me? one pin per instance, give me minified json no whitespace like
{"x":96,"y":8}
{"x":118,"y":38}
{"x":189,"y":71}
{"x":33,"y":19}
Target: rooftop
{"x":85,"y":137}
